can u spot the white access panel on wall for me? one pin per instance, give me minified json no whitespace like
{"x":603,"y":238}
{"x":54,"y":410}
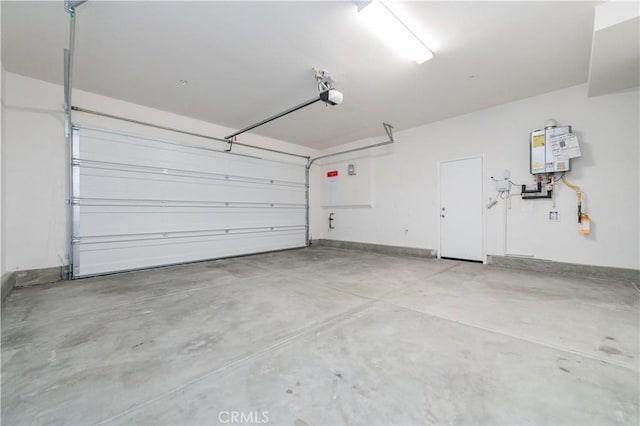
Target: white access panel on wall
{"x":348,"y":183}
{"x":140,"y":203}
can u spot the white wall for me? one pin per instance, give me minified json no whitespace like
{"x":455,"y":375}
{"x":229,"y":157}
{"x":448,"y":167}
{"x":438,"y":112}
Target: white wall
{"x":405,"y":180}
{"x":35,"y":161}
{"x":404,"y":211}
{"x":2,"y":127}
{"x":2,"y":191}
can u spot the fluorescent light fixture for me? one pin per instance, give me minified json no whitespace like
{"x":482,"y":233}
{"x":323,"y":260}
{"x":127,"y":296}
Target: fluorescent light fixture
{"x":380,"y":19}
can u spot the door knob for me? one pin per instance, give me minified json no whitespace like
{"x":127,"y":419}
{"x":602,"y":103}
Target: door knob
{"x":441,"y":215}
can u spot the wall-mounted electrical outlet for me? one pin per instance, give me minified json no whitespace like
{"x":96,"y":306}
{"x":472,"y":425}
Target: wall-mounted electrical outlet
{"x":554,"y":215}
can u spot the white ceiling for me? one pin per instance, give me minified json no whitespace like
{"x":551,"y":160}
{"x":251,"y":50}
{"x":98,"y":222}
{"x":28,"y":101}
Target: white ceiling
{"x":615,"y":50}
{"x":246,"y":61}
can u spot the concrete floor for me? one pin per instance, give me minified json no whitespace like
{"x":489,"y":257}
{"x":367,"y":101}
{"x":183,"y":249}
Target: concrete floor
{"x":322,"y":336}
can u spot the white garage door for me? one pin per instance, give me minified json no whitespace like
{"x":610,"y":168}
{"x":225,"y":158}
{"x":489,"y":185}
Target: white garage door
{"x":139,"y":203}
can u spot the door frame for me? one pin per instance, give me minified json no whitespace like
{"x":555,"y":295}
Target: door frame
{"x":484,"y":210}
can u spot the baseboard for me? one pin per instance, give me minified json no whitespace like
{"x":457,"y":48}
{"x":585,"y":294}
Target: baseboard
{"x":7,"y":285}
{"x":11,"y":280}
{"x":378,"y":248}
{"x":574,"y":269}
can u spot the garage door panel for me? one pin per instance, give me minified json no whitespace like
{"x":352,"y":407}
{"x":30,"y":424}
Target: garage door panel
{"x":141,"y":203}
{"x":99,"y":258}
{"x":98,"y":220}
{"x":123,"y":149}
{"x":112,"y":184}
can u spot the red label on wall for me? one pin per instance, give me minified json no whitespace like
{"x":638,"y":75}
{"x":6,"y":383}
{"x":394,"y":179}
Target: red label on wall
{"x":332,"y":173}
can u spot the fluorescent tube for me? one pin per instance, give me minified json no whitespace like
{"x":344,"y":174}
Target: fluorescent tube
{"x":380,"y":19}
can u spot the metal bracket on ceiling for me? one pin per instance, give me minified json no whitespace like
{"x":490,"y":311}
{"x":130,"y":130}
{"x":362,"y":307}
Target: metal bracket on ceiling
{"x":230,"y":140}
{"x":70,"y":5}
{"x":324,"y":79}
{"x":362,"y":4}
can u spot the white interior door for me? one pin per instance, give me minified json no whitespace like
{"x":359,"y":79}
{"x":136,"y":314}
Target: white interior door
{"x":461,"y":209}
{"x":140,"y":203}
